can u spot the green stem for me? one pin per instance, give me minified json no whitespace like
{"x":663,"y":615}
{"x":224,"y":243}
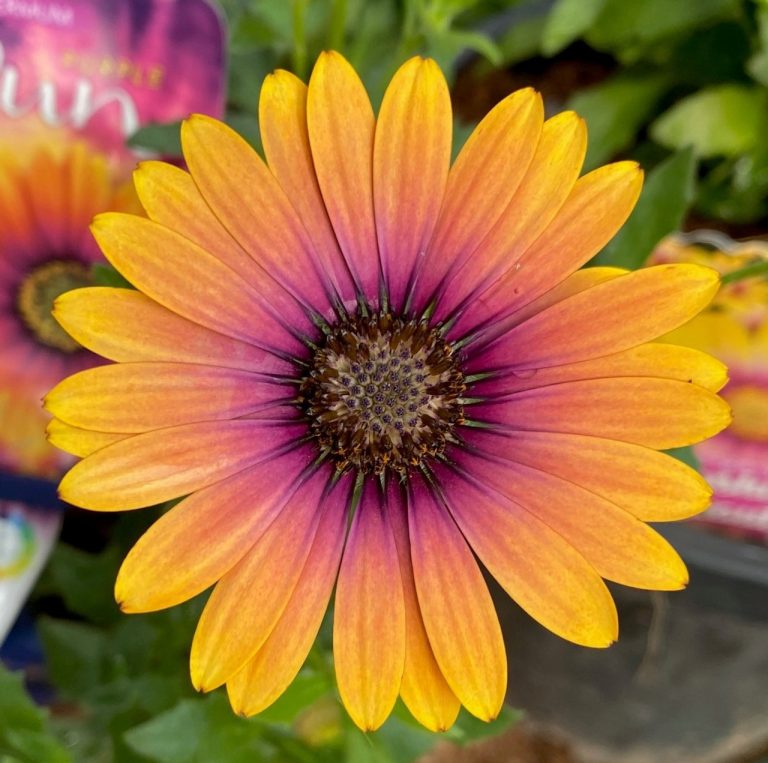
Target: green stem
{"x":755,"y":269}
{"x":300,"y":38}
{"x":338,"y":24}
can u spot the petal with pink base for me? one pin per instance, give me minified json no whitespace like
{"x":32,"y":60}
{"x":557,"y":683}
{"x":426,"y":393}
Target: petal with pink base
{"x":157,"y":466}
{"x":411,"y":155}
{"x":526,"y":556}
{"x":270,"y":671}
{"x":204,"y":536}
{"x":458,"y":613}
{"x":248,"y":601}
{"x":369,"y":618}
{"x":341,"y":133}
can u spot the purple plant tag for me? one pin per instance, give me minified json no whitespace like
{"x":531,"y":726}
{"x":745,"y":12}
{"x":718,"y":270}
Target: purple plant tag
{"x":102,"y":69}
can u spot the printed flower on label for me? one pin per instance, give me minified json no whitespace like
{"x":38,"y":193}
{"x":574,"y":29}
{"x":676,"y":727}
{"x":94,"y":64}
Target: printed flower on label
{"x":48,"y":196}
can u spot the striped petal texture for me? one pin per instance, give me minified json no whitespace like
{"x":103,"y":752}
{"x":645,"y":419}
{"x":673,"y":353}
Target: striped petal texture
{"x":372,"y":376}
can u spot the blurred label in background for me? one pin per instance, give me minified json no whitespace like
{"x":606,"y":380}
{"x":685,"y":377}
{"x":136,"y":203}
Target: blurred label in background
{"x":101,"y":70}
{"x":77,"y":79}
{"x":26,"y":538}
{"x":734,"y":328}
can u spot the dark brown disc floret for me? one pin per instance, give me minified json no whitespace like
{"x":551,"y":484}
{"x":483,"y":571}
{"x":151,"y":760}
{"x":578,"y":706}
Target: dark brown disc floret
{"x":383,"y":393}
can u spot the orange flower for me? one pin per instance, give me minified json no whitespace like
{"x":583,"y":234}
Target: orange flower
{"x":355,"y":330}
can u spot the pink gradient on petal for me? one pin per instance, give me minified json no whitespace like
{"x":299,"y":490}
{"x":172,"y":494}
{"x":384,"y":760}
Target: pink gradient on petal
{"x":176,"y":558}
{"x":137,"y":397}
{"x":269,"y":673}
{"x":158,"y":466}
{"x":369,"y":618}
{"x":458,"y":613}
{"x":248,"y":601}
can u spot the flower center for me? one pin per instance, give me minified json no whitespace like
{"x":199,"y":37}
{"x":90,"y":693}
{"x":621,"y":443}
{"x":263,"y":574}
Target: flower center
{"x":383,"y":393}
{"x":36,"y":294}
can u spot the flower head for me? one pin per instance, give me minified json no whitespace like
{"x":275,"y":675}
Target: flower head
{"x":355,"y":330}
{"x":48,"y":196}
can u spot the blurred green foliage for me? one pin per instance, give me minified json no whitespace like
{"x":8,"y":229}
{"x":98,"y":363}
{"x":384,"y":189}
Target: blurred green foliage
{"x":684,"y":75}
{"x":123,"y":693}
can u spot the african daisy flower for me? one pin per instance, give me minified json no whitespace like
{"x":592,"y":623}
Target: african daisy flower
{"x":48,"y":196}
{"x":355,"y":332}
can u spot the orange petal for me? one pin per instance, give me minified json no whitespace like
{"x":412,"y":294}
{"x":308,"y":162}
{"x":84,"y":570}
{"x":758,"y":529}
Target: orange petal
{"x":79,"y":442}
{"x":597,"y":207}
{"x":458,"y":613}
{"x":269,"y":673}
{"x":138,"y":397}
{"x":127,"y":326}
{"x":341,"y":129}
{"x":369,"y":617}
{"x":188,"y":280}
{"x":657,"y":413}
{"x":259,"y":215}
{"x":411,"y":156}
{"x":204,"y":536}
{"x":543,"y":573}
{"x":575,"y":283}
{"x":170,"y":197}
{"x":157,"y":466}
{"x":548,"y":181}
{"x":564,"y":332}
{"x":662,"y":361}
{"x":424,"y":689}
{"x":247,"y":602}
{"x":616,"y":544}
{"x":481,"y":183}
{"x":652,"y":486}
{"x":283,"y":126}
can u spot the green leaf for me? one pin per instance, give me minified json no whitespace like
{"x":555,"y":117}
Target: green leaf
{"x":726,"y":120}
{"x":466,"y":729}
{"x":522,"y":40}
{"x":469,"y":729}
{"x":444,"y":45}
{"x":567,"y":21}
{"x":686,"y":455}
{"x":81,"y":579}
{"x":404,"y":742}
{"x":758,"y":64}
{"x":75,"y":655}
{"x":228,"y":738}
{"x":164,"y":139}
{"x":23,"y":726}
{"x":306,"y":689}
{"x":666,"y":197}
{"x":17,"y":711}
{"x":203,"y":730}
{"x":625,"y":23}
{"x":363,"y":748}
{"x":106,"y":275}
{"x":615,"y":111}
{"x":36,"y":746}
{"x":171,"y":737}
